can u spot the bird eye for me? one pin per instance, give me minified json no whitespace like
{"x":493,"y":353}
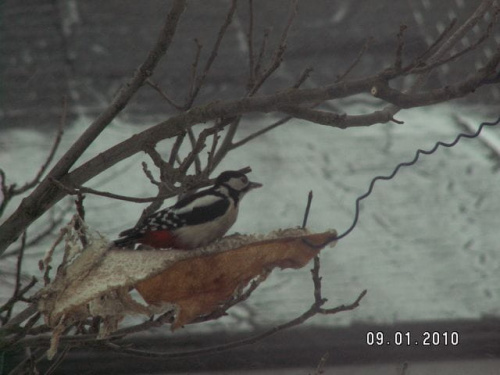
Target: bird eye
{"x":244,"y":179}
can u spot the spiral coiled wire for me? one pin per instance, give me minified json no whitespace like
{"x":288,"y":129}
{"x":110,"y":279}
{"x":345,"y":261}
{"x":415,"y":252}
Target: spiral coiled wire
{"x":395,"y":171}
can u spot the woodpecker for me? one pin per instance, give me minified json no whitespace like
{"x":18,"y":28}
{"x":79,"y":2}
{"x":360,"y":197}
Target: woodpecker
{"x":195,"y":220}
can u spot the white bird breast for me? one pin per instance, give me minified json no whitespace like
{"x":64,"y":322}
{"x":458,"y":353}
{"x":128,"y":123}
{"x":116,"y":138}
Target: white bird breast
{"x":203,"y":234}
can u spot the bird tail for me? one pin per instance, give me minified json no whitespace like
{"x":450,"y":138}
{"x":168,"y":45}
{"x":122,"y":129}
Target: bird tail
{"x":129,"y":238}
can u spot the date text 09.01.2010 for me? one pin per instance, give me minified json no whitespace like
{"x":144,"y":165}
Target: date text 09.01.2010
{"x":427,"y":338}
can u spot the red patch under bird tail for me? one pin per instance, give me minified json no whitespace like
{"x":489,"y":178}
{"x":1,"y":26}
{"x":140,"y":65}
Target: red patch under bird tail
{"x":159,"y":239}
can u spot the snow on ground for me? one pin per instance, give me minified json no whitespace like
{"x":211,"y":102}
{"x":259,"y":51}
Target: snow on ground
{"x":426,"y":245}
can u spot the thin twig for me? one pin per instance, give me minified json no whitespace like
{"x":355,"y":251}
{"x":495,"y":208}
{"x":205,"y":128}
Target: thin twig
{"x":320,"y":368}
{"x":262,"y":52}
{"x":316,"y":278}
{"x":4,"y":189}
{"x":54,"y":223}
{"x":149,"y":174}
{"x":80,"y":220}
{"x":453,"y":39}
{"x":279,"y":52}
{"x":86,"y":190}
{"x":88,"y":338}
{"x":404,"y":368}
{"x":356,"y":61}
{"x":398,"y":61}
{"x":44,"y":264}
{"x":430,"y":50}
{"x":452,"y":57}
{"x":199,"y":145}
{"x":211,"y":153}
{"x":168,"y":174}
{"x":29,"y":360}
{"x":251,"y":57}
{"x":24,"y":330}
{"x":222,"y":310}
{"x":308,"y":207}
{"x":58,"y":360}
{"x":314,"y":115}
{"x":258,"y":133}
{"x":16,"y":295}
{"x":225,"y":146}
{"x":303,"y":77}
{"x":174,"y":153}
{"x":22,"y":316}
{"x":8,"y":192}
{"x":19,"y":265}
{"x":196,"y":154}
{"x":215,"y":49}
{"x":164,"y":95}
{"x":194,"y":67}
{"x":52,"y":152}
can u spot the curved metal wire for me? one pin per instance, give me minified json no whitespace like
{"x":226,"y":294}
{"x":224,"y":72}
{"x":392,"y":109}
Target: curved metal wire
{"x":395,"y":171}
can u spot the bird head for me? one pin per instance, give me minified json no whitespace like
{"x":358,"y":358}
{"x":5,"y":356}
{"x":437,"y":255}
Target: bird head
{"x":236,"y":181}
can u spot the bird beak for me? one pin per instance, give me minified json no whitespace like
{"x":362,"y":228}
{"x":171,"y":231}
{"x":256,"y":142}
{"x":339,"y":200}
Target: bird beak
{"x":253,"y":185}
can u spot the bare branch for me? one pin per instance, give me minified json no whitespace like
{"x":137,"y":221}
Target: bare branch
{"x":8,"y":192}
{"x":86,"y":190}
{"x":278,"y":53}
{"x":168,"y":174}
{"x":423,"y":68}
{"x":321,"y":364}
{"x":211,"y":154}
{"x":313,"y":310}
{"x":175,"y":149}
{"x":58,"y":360}
{"x":304,"y":76}
{"x":144,"y":71}
{"x":197,"y":161}
{"x":432,"y":48}
{"x":199,"y":145}
{"x":398,"y":62}
{"x":215,"y":49}
{"x":164,"y":95}
{"x":4,"y":189}
{"x":251,"y":57}
{"x":313,"y":115}
{"x":22,"y":316}
{"x":222,"y":311}
{"x":80,"y":220}
{"x":194,"y":68}
{"x":18,"y":293}
{"x":19,"y":265}
{"x":262,"y":52}
{"x":356,"y":61}
{"x":407,"y":100}
{"x":9,"y":305}
{"x":54,"y":223}
{"x":226,"y":142}
{"x":27,"y":365}
{"x":260,"y":132}
{"x":149,"y":174}
{"x":308,"y":207}
{"x":32,"y":207}
{"x":454,"y":38}
{"x":50,"y":157}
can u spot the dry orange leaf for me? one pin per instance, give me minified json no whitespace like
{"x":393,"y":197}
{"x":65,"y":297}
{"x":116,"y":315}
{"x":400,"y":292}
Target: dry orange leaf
{"x":199,"y":285}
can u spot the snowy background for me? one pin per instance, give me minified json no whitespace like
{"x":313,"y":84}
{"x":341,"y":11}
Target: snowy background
{"x":427,"y":243}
